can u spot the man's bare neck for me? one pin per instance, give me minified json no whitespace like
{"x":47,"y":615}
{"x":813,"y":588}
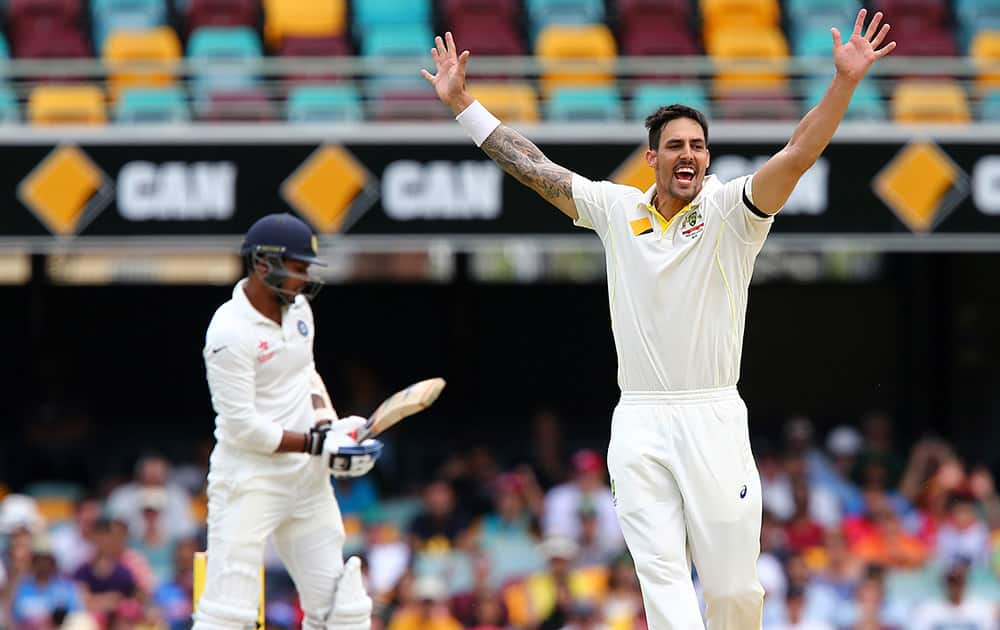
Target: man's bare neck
{"x":262,"y":299}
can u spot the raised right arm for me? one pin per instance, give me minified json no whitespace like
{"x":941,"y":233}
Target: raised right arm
{"x":515,"y":154}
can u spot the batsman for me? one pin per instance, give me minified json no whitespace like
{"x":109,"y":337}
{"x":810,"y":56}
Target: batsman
{"x":679,"y":260}
{"x":278,"y":440}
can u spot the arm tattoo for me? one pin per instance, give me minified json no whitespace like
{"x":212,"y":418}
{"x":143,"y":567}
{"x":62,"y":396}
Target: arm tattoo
{"x":519,"y":157}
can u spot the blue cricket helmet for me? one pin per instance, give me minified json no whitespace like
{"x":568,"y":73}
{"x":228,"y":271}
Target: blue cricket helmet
{"x":284,"y":235}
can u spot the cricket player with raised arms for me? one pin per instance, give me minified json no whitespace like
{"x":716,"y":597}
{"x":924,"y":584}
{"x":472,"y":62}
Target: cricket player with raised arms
{"x":278,"y":440}
{"x":679,"y":260}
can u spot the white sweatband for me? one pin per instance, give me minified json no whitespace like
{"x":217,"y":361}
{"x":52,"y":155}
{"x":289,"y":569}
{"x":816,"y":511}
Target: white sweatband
{"x":478,"y":122}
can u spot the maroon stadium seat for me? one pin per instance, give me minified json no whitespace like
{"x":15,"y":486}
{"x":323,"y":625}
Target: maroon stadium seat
{"x":677,"y":12}
{"x":51,"y":40}
{"x":222,"y":13}
{"x":659,"y":39}
{"x":925,"y":42}
{"x":29,"y":19}
{"x":750,"y":105}
{"x":240,"y":106}
{"x":905,"y":12}
{"x":301,"y":46}
{"x":506,"y":11}
{"x":488,"y":35}
{"x":408,"y":104}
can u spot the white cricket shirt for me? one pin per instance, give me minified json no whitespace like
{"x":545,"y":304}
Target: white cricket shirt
{"x":678,"y":288}
{"x":259,"y":375}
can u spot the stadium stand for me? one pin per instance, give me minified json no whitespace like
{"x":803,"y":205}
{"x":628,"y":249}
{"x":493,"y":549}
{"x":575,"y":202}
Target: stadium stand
{"x":67,"y":104}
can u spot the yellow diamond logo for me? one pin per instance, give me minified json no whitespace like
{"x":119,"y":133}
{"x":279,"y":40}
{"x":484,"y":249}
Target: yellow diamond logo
{"x":634,"y":171}
{"x":921,"y":185}
{"x":66,"y":190}
{"x":331,"y":189}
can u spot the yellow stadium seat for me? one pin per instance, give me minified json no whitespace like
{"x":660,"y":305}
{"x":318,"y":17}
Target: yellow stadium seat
{"x":303,"y":18}
{"x":739,"y":13}
{"x":81,"y":104}
{"x":136,"y":47}
{"x":748,"y":59}
{"x":514,"y":102}
{"x":985,"y":53}
{"x":917,"y":101}
{"x":591,"y":45}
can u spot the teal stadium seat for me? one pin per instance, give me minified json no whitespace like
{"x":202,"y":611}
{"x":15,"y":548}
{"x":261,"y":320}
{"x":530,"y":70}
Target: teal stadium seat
{"x":396,"y":40}
{"x":4,"y":48}
{"x":648,"y":98}
{"x":371,"y":13}
{"x":215,"y":45}
{"x":113,"y":15}
{"x":989,"y":108}
{"x":866,"y":104}
{"x":572,"y":104}
{"x":324,"y":103}
{"x":542,"y":13}
{"x":152,"y":105}
{"x":9,"y":112}
{"x":972,"y":16}
{"x":814,"y":41}
{"x":816,"y":14}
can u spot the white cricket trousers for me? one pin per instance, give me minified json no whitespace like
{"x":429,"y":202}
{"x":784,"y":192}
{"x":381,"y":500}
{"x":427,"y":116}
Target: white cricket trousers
{"x":686,"y":488}
{"x":301,"y":513}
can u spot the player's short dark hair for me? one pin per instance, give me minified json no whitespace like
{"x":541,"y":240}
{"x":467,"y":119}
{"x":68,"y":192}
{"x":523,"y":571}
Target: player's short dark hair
{"x":656,"y":120}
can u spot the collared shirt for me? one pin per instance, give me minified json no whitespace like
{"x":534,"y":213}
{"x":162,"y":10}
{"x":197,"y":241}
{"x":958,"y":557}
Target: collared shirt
{"x":259,"y":375}
{"x":678,"y":288}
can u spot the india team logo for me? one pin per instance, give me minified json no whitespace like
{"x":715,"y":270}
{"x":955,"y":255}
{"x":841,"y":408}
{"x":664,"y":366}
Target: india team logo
{"x":303,"y":329}
{"x":692,"y":224}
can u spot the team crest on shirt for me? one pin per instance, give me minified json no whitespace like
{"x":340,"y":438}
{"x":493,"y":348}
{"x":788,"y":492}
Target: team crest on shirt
{"x":692,"y":224}
{"x":303,"y":328}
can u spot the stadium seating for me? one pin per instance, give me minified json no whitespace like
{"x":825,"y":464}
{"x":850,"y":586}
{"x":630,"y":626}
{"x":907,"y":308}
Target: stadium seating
{"x":647,"y":98}
{"x":973,"y":16}
{"x":763,"y":104}
{"x":545,"y":13}
{"x":61,"y":42}
{"x":500,"y":11}
{"x":215,"y":45}
{"x":866,"y":105}
{"x":303,"y":18}
{"x":66,"y":104}
{"x":985,"y":53}
{"x":151,"y":105}
{"x":376,"y":13}
{"x":112,"y":15}
{"x":814,"y":42}
{"x":392,"y":40}
{"x":821,"y":14}
{"x":198,"y":13}
{"x":922,"y":40}
{"x":324,"y":103}
{"x":659,"y":39}
{"x":567,"y":43}
{"x":574,"y":104}
{"x":156,"y":45}
{"x":767,"y":49}
{"x":9,"y":112}
{"x":295,"y":46}
{"x":27,"y":17}
{"x":487,"y":35}
{"x":915,"y":101}
{"x":726,"y":14}
{"x":513,"y":102}
{"x":242,"y":105}
{"x":989,"y":108}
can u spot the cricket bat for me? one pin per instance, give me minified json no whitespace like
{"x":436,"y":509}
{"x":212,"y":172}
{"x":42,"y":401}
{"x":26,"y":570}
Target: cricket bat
{"x":403,"y":403}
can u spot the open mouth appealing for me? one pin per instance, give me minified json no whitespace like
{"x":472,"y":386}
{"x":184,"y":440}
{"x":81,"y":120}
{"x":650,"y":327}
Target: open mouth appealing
{"x":684,"y":174}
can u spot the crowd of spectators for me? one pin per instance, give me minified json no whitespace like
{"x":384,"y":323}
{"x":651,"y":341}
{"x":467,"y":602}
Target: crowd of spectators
{"x":854,"y":536}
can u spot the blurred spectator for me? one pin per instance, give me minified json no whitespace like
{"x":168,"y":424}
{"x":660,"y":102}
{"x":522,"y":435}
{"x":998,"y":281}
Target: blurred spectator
{"x":776,"y":488}
{"x":882,"y":539}
{"x":153,"y":544}
{"x":73,"y":543}
{"x":984,"y":489}
{"x":430,"y":612}
{"x":585,"y":615}
{"x":963,"y":535}
{"x":387,"y":558}
{"x":799,"y":436}
{"x":823,"y":507}
{"x":512,"y":514}
{"x":173,"y":596}
{"x":126,"y":502}
{"x":133,"y":560}
{"x":357,"y":496}
{"x":472,"y":474}
{"x":104,"y":580}
{"x":870,"y":609}
{"x":879,"y":447}
{"x":547,"y":442}
{"x":795,"y":604}
{"x":958,"y":611}
{"x":844,"y":444}
{"x":802,"y":531}
{"x":593,"y":551}
{"x":465,"y":606}
{"x":489,"y":615}
{"x":563,"y":502}
{"x":833,"y":586}
{"x":42,"y":592}
{"x":623,"y":602}
{"x":18,"y":511}
{"x":440,"y":526}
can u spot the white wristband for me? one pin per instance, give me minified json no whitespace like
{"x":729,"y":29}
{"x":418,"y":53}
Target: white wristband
{"x":478,"y":122}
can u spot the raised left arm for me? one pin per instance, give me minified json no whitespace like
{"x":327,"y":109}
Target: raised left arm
{"x":776,"y":180}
